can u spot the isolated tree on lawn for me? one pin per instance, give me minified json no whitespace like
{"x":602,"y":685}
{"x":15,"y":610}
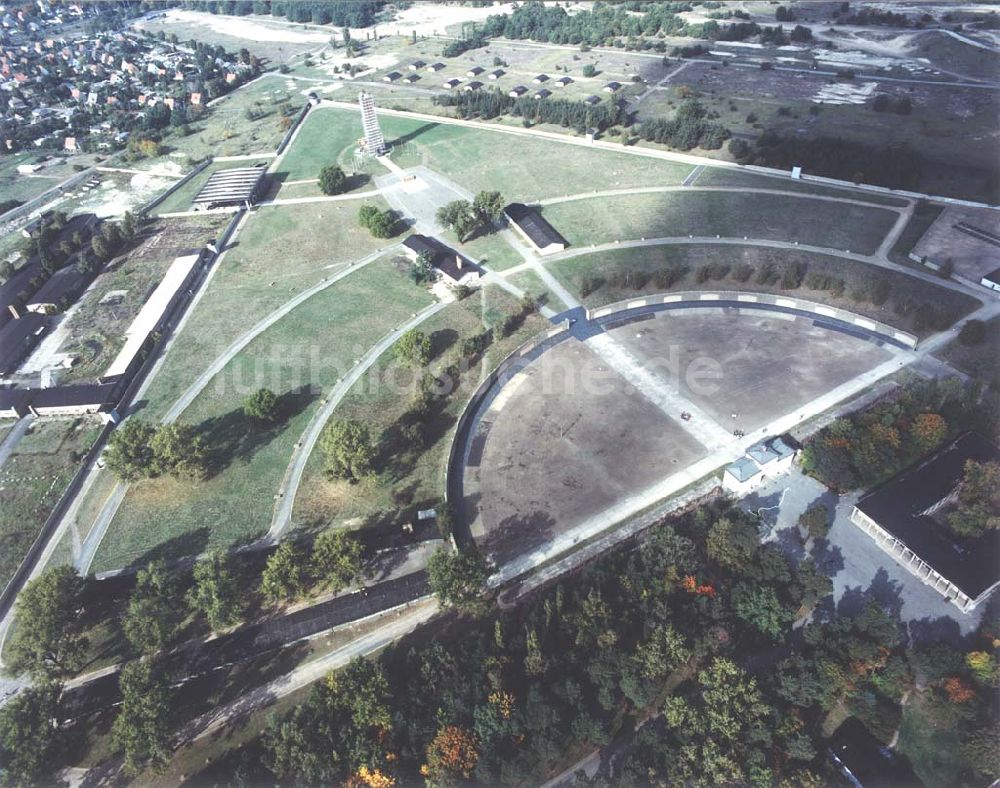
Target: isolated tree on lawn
{"x":336,"y":559}
{"x":151,"y":617}
{"x":457,"y":578}
{"x":413,"y":347}
{"x":129,"y":454}
{"x":29,"y":731}
{"x":459,"y":216}
{"x":262,"y":405}
{"x":332,"y":180}
{"x":284,"y":576}
{"x":216,"y":592}
{"x":142,"y":728}
{"x":349,"y":450}
{"x":47,"y":639}
{"x":179,"y":450}
{"x":381,"y":224}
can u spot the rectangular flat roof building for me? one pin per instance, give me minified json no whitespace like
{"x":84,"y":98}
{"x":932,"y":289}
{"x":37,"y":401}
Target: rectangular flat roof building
{"x":17,"y":339}
{"x":538,"y":232}
{"x":900,"y":517}
{"x":239,"y":187}
{"x":151,"y":317}
{"x":72,"y":400}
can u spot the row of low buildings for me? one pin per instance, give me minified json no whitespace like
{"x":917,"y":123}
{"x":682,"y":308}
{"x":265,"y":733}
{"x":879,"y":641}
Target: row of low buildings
{"x":103,"y":395}
{"x":51,"y":89}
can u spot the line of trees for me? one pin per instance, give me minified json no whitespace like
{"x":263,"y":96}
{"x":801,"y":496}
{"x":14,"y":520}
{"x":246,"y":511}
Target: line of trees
{"x":341,"y":13}
{"x":868,"y":447}
{"x":563,"y":112}
{"x":689,"y":128}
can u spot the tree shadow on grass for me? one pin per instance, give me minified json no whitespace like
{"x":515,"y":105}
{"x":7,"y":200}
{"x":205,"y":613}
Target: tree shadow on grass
{"x":189,"y":543}
{"x":442,"y":340}
{"x":236,"y":436}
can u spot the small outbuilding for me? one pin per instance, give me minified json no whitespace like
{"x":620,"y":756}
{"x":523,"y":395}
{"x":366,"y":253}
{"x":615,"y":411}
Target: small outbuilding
{"x":612,"y":87}
{"x":544,"y":93}
{"x":592,"y":100}
{"x":496,"y":74}
{"x":534,"y":228}
{"x":450,"y":264}
{"x":517,"y":92}
{"x":416,"y":65}
{"x":991,"y":280}
{"x":468,"y":87}
{"x":392,"y":76}
{"x":451,"y":83}
{"x":475,"y":71}
{"x":435,"y":67}
{"x":539,"y":79}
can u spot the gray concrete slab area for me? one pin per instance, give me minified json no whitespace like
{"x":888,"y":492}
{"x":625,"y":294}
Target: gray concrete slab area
{"x":765,"y":366}
{"x":851,"y":559}
{"x":570,"y":440}
{"x":417,"y":193}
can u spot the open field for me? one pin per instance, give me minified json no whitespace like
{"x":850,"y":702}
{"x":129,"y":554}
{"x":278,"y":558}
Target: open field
{"x":538,"y":168}
{"x":619,"y":274}
{"x":32,"y":480}
{"x":544,"y":470}
{"x":980,"y":361}
{"x":718,"y":176}
{"x":491,"y":250}
{"x":181,"y":199}
{"x":271,"y":41}
{"x":279,"y":253}
{"x":409,"y":478}
{"x":951,"y":127}
{"x":95,"y":330}
{"x":532,"y":284}
{"x":299,"y":357}
{"x":14,"y":186}
{"x":732,"y":215}
{"x":319,"y":142}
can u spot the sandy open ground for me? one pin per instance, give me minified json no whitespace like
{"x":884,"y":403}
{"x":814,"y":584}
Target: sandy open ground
{"x":569,"y":437}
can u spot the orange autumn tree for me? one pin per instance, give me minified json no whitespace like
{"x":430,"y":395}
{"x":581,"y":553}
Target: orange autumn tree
{"x":958,"y":690}
{"x":929,"y":429}
{"x":451,"y":756}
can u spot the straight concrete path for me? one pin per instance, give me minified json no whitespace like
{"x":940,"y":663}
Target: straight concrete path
{"x":417,"y":613}
{"x":282,"y":518}
{"x":318,"y":198}
{"x":632,"y":505}
{"x":701,"y":426}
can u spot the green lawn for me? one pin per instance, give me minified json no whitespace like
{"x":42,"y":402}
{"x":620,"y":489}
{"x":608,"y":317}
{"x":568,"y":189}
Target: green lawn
{"x":528,"y":169}
{"x":532,"y":284}
{"x":618,"y":274}
{"x":324,"y":138}
{"x":281,"y":251}
{"x":719,"y":176}
{"x":927,"y":737}
{"x":491,"y":250}
{"x":181,"y":199}
{"x":671,"y":214}
{"x":980,"y":361}
{"x":32,"y":480}
{"x":300,"y":357}
{"x":408,"y":478}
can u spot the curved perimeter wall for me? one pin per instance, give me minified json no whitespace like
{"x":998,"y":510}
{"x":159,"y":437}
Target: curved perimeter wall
{"x":735,"y":299}
{"x":835,"y":319}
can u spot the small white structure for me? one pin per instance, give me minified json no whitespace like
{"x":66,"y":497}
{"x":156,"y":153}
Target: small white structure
{"x":768,"y":459}
{"x":991,"y":280}
{"x":797,"y":173}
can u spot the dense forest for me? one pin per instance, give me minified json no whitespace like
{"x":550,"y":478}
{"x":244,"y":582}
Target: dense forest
{"x":690,"y":633}
{"x":608,"y":23}
{"x":868,"y":447}
{"x":570,"y":114}
{"x":350,"y":13}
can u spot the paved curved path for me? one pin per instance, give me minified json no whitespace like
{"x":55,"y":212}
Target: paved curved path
{"x":107,"y":514}
{"x":260,"y":327}
{"x":282,"y":517}
{"x":740,"y":189}
{"x":876,"y":260}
